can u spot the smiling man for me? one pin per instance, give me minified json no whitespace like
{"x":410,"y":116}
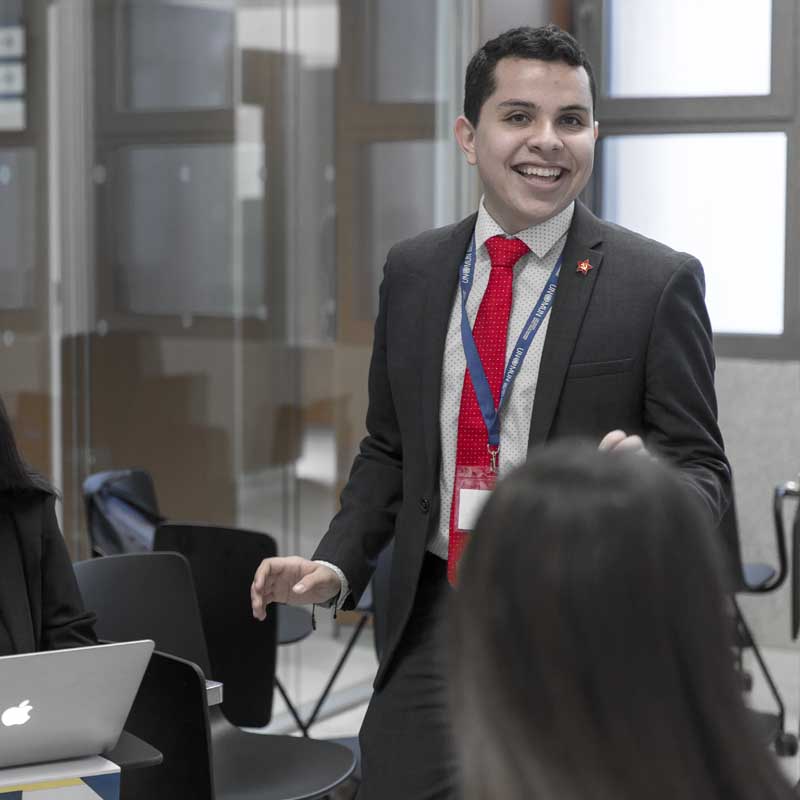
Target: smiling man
{"x":528,"y":321}
{"x":532,"y":138}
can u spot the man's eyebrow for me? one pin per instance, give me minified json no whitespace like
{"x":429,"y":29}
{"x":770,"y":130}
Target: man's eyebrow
{"x":517,"y":104}
{"x":534,"y":107}
{"x":575,"y":107}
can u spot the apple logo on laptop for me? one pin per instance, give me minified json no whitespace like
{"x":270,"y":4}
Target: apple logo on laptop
{"x":17,"y":715}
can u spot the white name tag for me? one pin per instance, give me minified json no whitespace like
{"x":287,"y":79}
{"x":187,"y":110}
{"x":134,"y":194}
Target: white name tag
{"x":470,"y":505}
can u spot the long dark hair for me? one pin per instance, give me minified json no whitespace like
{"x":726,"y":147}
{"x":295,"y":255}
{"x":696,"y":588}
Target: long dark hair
{"x":590,"y":642}
{"x":16,"y":477}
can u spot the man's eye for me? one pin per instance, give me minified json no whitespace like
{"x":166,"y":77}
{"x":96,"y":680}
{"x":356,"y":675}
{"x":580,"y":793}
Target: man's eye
{"x":572,"y":121}
{"x":519,"y":118}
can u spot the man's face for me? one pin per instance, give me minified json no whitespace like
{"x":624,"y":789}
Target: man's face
{"x":534,"y":142}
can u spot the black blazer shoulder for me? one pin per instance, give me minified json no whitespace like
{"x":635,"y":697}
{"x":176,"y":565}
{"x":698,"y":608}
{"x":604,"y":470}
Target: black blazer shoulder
{"x":40,"y":602}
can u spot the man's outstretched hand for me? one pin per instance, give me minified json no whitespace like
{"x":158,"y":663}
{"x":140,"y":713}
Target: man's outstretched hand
{"x":293,"y":580}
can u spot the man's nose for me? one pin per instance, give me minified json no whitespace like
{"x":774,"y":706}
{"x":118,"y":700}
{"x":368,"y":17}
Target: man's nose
{"x":544,"y":136}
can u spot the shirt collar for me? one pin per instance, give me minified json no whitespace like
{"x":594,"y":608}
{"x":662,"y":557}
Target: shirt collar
{"x":540,"y":238}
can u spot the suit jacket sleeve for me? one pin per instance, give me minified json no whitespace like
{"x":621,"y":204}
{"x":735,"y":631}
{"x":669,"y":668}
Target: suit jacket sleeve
{"x":680,"y":402}
{"x":65,"y":623}
{"x":373,"y":494}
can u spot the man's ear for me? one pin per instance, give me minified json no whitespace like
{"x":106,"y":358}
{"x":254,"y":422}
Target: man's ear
{"x":465,"y":136}
{"x":596,"y":130}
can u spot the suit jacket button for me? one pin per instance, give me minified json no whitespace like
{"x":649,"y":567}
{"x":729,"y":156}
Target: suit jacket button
{"x":424,"y":505}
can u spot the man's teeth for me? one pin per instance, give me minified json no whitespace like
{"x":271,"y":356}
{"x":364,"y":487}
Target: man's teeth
{"x":540,"y":172}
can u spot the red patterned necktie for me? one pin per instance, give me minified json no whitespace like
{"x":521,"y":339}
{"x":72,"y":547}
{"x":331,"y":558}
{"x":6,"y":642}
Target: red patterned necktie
{"x":489,"y":331}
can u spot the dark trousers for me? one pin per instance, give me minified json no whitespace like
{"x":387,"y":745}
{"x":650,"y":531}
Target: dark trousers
{"x":406,"y":747}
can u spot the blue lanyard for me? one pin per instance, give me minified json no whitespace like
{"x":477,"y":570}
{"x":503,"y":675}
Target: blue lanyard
{"x":483,"y":392}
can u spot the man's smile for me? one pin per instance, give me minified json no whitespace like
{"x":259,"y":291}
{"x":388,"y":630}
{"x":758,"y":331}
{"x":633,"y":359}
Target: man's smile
{"x":539,"y":175}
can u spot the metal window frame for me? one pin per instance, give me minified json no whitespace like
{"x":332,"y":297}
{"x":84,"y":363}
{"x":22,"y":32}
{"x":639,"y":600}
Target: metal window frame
{"x":778,"y":111}
{"x":119,"y":128}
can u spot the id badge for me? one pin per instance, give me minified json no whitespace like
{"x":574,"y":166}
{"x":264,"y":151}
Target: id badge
{"x":473,"y":487}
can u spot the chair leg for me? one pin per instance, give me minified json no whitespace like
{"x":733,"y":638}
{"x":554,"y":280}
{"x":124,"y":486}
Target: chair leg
{"x":292,"y":710}
{"x":336,"y":670}
{"x":745,"y":678}
{"x":785,"y":743}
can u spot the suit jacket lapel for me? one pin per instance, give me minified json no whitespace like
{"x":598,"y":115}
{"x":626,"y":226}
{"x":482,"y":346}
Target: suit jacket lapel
{"x":569,"y":307}
{"x":442,"y":272}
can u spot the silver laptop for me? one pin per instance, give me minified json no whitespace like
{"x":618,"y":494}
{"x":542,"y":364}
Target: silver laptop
{"x":62,"y":704}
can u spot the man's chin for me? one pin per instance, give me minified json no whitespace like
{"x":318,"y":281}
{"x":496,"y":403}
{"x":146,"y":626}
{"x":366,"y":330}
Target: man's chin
{"x":513,"y":219}
{"x":541,"y":213}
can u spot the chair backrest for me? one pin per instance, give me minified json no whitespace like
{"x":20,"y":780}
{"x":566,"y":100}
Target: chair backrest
{"x":242,"y":650}
{"x":380,"y":597}
{"x":171,"y":713}
{"x":121,"y":511}
{"x":146,"y":596}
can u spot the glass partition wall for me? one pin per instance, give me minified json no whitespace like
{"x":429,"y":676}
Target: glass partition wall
{"x":196,"y":202}
{"x":26,"y":376}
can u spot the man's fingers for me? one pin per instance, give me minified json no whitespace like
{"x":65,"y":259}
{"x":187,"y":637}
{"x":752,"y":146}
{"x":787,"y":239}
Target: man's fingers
{"x":311,"y":581}
{"x":318,"y":586}
{"x":619,"y":442}
{"x":271,"y":570}
{"x":261,"y":598}
{"x":290,"y":579}
{"x":257,"y":602}
{"x":262,"y":573}
{"x":612,"y":439}
{"x":262,"y":589}
{"x":630,"y":444}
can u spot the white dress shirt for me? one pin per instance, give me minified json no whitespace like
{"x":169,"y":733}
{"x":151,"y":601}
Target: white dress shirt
{"x":546,"y":243}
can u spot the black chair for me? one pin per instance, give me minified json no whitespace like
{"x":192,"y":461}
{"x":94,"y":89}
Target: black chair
{"x":228,"y":557}
{"x":222,"y":562}
{"x":758,"y":578}
{"x":122,"y":514}
{"x":153,"y":595}
{"x":171,"y":707}
{"x":791,"y":491}
{"x":294,"y":625}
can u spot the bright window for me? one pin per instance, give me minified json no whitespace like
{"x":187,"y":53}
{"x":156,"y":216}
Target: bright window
{"x":685,"y":48}
{"x":718,"y":196}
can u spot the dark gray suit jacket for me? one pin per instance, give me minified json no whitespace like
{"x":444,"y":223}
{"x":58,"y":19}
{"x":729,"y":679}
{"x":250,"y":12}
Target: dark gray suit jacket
{"x":628,"y":346}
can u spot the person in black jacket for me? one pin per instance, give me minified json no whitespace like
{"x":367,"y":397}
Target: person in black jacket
{"x":590,"y":646}
{"x":40,"y":604}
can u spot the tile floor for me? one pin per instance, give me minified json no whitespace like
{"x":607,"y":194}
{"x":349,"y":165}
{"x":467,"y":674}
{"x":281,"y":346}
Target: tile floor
{"x":304,"y":669}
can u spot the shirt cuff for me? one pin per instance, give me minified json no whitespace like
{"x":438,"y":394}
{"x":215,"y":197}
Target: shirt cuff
{"x":344,"y":592}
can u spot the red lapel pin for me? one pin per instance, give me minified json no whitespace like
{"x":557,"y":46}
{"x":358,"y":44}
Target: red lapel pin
{"x":584,"y":266}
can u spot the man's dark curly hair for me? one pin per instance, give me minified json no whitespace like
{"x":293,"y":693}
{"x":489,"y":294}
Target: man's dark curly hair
{"x":548,"y":43}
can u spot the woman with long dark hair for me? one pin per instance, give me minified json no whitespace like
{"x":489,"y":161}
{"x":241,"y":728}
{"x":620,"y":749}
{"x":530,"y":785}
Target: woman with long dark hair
{"x":40,"y":605}
{"x":590,"y":647}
